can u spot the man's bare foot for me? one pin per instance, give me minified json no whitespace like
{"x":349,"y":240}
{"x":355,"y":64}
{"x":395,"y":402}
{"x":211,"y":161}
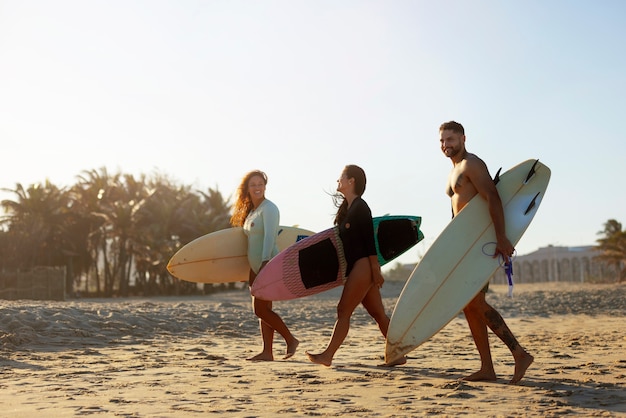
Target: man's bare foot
{"x":481,"y":376}
{"x":262,"y":357}
{"x":291,"y":349}
{"x":521,"y":365}
{"x":319,"y":359}
{"x":398,"y":362}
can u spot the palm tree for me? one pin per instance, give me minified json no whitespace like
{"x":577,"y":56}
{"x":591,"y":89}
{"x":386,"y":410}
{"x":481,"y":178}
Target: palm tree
{"x":125,"y":197}
{"x":613,"y":247}
{"x":109,"y":204}
{"x":108,"y":229}
{"x":39,"y":224}
{"x":169,"y":218}
{"x":156,"y":240}
{"x":91,"y":195}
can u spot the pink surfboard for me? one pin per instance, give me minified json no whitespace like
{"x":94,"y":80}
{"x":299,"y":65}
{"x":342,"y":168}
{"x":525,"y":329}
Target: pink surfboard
{"x":312,"y":265}
{"x":317,"y":263}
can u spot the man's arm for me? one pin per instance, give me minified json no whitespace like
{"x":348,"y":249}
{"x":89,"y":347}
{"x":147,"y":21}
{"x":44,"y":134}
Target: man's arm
{"x":479,"y":175}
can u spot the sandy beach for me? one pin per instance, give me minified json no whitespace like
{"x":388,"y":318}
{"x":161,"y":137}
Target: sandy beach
{"x":184,"y":357}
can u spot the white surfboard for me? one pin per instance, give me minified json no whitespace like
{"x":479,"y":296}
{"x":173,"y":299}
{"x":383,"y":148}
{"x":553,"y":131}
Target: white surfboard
{"x":460,"y":261}
{"x":222,"y":256}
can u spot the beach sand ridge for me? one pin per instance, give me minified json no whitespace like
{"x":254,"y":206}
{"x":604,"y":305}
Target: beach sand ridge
{"x":171,"y":357}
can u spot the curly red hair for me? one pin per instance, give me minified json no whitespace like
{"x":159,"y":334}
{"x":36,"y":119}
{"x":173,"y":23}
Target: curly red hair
{"x":243,"y":205}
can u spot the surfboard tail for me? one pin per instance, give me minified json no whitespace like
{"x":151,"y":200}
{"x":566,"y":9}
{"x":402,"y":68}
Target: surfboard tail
{"x":531,"y":172}
{"x":395,"y":351}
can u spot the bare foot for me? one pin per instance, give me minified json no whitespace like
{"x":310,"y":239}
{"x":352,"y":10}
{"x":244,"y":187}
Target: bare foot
{"x":398,"y":362}
{"x":262,"y":357}
{"x":291,"y":349}
{"x":319,"y":359}
{"x":521,"y":365}
{"x":481,"y":376}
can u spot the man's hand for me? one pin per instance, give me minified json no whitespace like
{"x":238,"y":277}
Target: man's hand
{"x":505,"y":249}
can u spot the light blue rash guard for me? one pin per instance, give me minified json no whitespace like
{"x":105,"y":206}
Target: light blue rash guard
{"x":261,"y":227}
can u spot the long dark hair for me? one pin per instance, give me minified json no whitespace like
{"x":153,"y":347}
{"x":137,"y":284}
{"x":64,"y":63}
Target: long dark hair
{"x":358,"y":174}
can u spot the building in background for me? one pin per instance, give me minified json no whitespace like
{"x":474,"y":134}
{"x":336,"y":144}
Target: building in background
{"x":547,"y":264}
{"x":559,"y":264}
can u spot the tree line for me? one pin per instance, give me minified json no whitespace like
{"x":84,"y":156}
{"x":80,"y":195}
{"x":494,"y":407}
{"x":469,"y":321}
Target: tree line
{"x":113,"y":232}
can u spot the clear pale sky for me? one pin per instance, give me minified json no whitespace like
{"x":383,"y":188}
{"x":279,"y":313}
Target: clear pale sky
{"x":204,"y":91}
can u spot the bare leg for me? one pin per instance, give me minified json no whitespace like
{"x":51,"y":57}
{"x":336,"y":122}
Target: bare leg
{"x":474,"y":316}
{"x":271,"y":321}
{"x":481,"y":314}
{"x":522,"y":358}
{"x":357,"y":285}
{"x":373,"y":303}
{"x":267,"y":335}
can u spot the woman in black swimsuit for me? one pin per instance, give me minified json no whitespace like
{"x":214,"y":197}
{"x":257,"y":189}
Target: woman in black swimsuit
{"x":363,"y":276}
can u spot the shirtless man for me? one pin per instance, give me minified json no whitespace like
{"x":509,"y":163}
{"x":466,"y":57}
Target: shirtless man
{"x":469,"y":177}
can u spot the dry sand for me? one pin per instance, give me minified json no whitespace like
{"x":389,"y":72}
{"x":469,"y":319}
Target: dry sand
{"x":185,"y":357}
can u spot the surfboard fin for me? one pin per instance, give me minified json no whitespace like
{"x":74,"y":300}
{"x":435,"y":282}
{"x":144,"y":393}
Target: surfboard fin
{"x":532,"y":203}
{"x":496,"y":178}
{"x":531,"y":172}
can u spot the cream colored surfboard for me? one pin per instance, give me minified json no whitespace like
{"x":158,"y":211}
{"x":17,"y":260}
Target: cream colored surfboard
{"x":460,"y":261}
{"x":221,"y":256}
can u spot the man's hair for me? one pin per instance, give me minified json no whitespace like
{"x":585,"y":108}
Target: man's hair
{"x":455,"y":127}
